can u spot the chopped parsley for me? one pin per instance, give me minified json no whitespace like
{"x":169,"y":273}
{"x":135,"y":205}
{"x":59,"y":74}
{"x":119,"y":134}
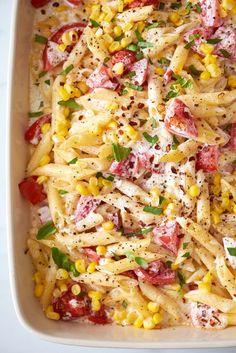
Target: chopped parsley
{"x":155,"y":25}
{"x":139,"y":260}
{"x":213,"y":40}
{"x":175,"y":143}
{"x":130,"y":74}
{"x":116,"y":257}
{"x":185,"y":245}
{"x":132,"y":47}
{"x":134,"y":87}
{"x":225,"y":53}
{"x":232,"y":251}
{"x":119,"y":152}
{"x":181,"y":279}
{"x":144,"y":44}
{"x":187,"y":254}
{"x":62,"y":192}
{"x":109,"y":178}
{"x":73,"y":161}
{"x":42,"y":73}
{"x":164,"y":61}
{"x":194,"y":71}
{"x":124,"y":304}
{"x":141,"y":232}
{"x":47,"y":82}
{"x":175,"y":5}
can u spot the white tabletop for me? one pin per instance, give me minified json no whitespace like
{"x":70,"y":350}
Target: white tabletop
{"x":13,"y":337}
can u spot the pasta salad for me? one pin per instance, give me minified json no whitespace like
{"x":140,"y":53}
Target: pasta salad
{"x":131,"y":176}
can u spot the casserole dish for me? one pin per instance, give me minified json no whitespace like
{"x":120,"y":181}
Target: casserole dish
{"x":27,"y":308}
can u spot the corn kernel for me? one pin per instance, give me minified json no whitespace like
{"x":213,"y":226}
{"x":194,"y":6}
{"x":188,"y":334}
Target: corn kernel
{"x":37,"y":277}
{"x":66,"y":38}
{"x":56,"y":293}
{"x":215,"y":217}
{"x":218,"y":209}
{"x":109,"y":225}
{"x":82,"y":189}
{"x":204,"y":287}
{"x":119,"y":315}
{"x":53,"y":316}
{"x":214,"y":70}
{"x":44,"y":160}
{"x":112,"y":106}
{"x":91,"y":267}
{"x":94,"y":190}
{"x":117,"y":31}
{"x":120,"y":5}
{"x":93,"y":181}
{"x":38,"y":290}
{"x":95,"y":12}
{"x":138,"y":322}
{"x":62,"y":274}
{"x":118,"y":68}
{"x":174,"y":17}
{"x":101,"y":250}
{"x":217,"y":179}
{"x":155,"y":192}
{"x":96,"y":305}
{"x":45,"y":128}
{"x":49,"y":309}
{"x":131,"y":317}
{"x":63,"y":287}
{"x":62,"y":47}
{"x":76,"y":289}
{"x":210,"y":59}
{"x":148,"y":323}
{"x":194,"y":191}
{"x":131,"y":132}
{"x":228,"y":4}
{"x":157,"y":318}
{"x":127,"y":26}
{"x":80,"y":266}
{"x":205,"y":75}
{"x":160,"y":71}
{"x":83,"y":87}
{"x":114,"y":47}
{"x":113,"y":125}
{"x":206,"y":48}
{"x":176,"y":287}
{"x":223,"y":12}
{"x":42,"y":179}
{"x":65,"y":96}
{"x":207,"y":278}
{"x":107,"y":38}
{"x":232,"y":81}
{"x":125,"y":42}
{"x":225,"y":202}
{"x":153,"y":307}
{"x":234,"y":208}
{"x":174,"y":267}
{"x":196,"y":56}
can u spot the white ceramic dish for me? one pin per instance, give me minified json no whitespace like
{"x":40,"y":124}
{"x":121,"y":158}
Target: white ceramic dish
{"x":26,"y":306}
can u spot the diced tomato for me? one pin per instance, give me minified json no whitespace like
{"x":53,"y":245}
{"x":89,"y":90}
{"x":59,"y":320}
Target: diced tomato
{"x":39,"y":3}
{"x":207,"y":159}
{"x":75,"y":2}
{"x":100,"y":79}
{"x":141,"y":71}
{"x":33,"y":134}
{"x":210,"y":14}
{"x":156,"y":274}
{"x":127,"y":57}
{"x":179,"y":119}
{"x":31,"y":190}
{"x":141,"y":3}
{"x":52,"y":56}
{"x":92,"y":255}
{"x":167,"y":234}
{"x":70,"y":306}
{"x":232,"y":141}
{"x":85,"y":205}
{"x":100,"y":317}
{"x":199,"y":35}
{"x":227,"y":34}
{"x":204,"y":316}
{"x":167,"y":76}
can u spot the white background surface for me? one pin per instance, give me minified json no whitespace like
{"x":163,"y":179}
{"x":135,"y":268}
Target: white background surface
{"x":13,"y":337}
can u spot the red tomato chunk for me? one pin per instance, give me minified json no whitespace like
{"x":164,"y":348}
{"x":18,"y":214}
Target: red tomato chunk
{"x":34,"y":133}
{"x":156,"y":274}
{"x":207,"y":159}
{"x":167,"y":234}
{"x":31,"y":190}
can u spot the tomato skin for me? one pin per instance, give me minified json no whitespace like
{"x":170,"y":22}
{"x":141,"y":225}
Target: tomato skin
{"x":167,"y":234}
{"x":100,"y":79}
{"x":156,"y":274}
{"x":70,"y":306}
{"x":39,"y":3}
{"x":207,"y":158}
{"x":179,"y":119}
{"x":33,"y":133}
{"x":125,"y":56}
{"x":31,"y":190}
{"x":205,"y":316}
{"x":99,"y":317}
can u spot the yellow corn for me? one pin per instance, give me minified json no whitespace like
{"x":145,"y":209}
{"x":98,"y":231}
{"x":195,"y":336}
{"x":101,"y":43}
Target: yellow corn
{"x":210,"y":59}
{"x":196,"y":56}
{"x":45,"y":128}
{"x":38,"y":290}
{"x":109,"y":225}
{"x":138,"y":322}
{"x":61,"y":8}
{"x":174,"y":266}
{"x":107,"y":38}
{"x":63,"y":287}
{"x":94,"y":190}
{"x":44,"y":160}
{"x":148,"y":323}
{"x":228,"y":4}
{"x":95,"y":12}
{"x":207,"y":278}
{"x":225,"y":202}
{"x":155,"y":192}
{"x":91,"y":267}
{"x":176,"y":287}
{"x":82,"y":189}
{"x":131,"y":317}
{"x":205,"y":75}
{"x":127,"y":26}
{"x":93,"y":181}
{"x":56,"y":293}
{"x":131,"y":132}
{"x":141,"y":26}
{"x":113,"y":125}
{"x":206,"y":48}
{"x":217,"y":179}
{"x":62,"y":47}
{"x":214,"y":70}
{"x":217,"y":208}
{"x":83,"y":87}
{"x":232,"y":81}
{"x":234,"y":208}
{"x":66,"y":38}
{"x":120,"y":5}
{"x":62,"y":274}
{"x":157,"y":318}
{"x":80,"y":266}
{"x":107,"y":183}
{"x":65,"y":96}
{"x":118,"y":68}
{"x":101,"y":250}
{"x":76,"y":289}
{"x":153,"y":307}
{"x":112,"y":106}
{"x":117,"y":31}
{"x":119,"y":315}
{"x":96,"y":305}
{"x":204,"y":287}
{"x":52,"y":315}
{"x":49,"y":309}
{"x":174,"y":17}
{"x":42,"y":179}
{"x":194,"y":191}
{"x":215,"y":217}
{"x":125,"y":42}
{"x":37,"y":277}
{"x":160,"y":71}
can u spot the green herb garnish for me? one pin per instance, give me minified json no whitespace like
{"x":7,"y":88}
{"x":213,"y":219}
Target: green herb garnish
{"x":185,"y":245}
{"x":164,"y":61}
{"x":132,"y":86}
{"x":151,"y":139}
{"x":187,"y":254}
{"x":42,"y":73}
{"x":132,"y":47}
{"x":71,"y":103}
{"x":175,"y":143}
{"x":213,"y":40}
{"x":35,"y":114}
{"x":232,"y":251}
{"x":139,"y":260}
{"x":155,"y":25}
{"x":47,"y":229}
{"x":154,"y":210}
{"x":144,"y":44}
{"x":67,"y":70}
{"x":62,"y":261}
{"x":175,"y":5}
{"x":116,"y":257}
{"x":225,"y":53}
{"x":119,"y":152}
{"x":141,"y":232}
{"x":131,"y":74}
{"x":94,"y":23}
{"x":73,"y":161}
{"x":181,"y":278}
{"x":48,"y":82}
{"x":40,"y":39}
{"x":194,"y":71}
{"x":124,"y":304}
{"x":62,"y":192}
